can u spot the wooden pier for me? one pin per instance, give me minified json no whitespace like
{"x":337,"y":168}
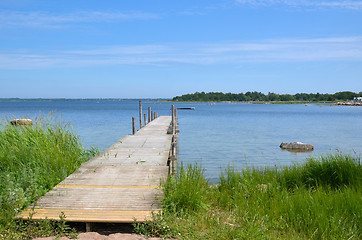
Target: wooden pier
{"x":121,"y":185}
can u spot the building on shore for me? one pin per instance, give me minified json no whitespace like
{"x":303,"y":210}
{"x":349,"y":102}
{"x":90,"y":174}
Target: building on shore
{"x":357,"y":99}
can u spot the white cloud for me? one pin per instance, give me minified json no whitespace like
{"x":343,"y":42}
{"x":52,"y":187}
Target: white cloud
{"x":233,"y":54}
{"x":46,"y":20}
{"x":344,"y":4}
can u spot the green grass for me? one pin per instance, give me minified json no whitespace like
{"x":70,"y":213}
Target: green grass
{"x":320,"y":199}
{"x":33,"y":160}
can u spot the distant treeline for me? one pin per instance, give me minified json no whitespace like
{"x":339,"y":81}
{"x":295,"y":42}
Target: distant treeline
{"x":258,"y":96}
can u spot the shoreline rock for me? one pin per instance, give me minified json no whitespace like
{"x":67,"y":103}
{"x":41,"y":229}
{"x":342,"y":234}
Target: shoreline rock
{"x":347,"y":104}
{"x":297,"y":146}
{"x":21,"y":122}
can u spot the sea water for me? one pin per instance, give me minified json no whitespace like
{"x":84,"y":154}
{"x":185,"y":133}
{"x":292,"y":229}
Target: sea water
{"x":214,"y":135}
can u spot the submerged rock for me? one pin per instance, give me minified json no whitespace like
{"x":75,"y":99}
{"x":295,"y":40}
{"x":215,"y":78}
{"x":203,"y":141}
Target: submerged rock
{"x":297,"y":146}
{"x":21,"y":122}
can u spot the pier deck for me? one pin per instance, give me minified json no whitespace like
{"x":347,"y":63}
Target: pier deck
{"x":121,"y":185}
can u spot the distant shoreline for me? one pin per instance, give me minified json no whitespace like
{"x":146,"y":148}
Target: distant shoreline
{"x":82,"y":99}
{"x":165,"y":100}
{"x":255,"y":102}
{"x":259,"y":97}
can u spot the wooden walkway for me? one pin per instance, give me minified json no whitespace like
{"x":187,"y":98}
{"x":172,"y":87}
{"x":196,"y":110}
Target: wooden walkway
{"x":120,"y":185}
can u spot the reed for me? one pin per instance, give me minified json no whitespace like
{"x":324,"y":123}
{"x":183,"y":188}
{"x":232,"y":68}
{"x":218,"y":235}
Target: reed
{"x":33,"y":160}
{"x":319,"y":199}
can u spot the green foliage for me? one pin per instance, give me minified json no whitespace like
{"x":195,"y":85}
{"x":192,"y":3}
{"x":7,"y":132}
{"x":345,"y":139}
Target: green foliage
{"x":186,"y":191}
{"x":159,"y":226}
{"x":258,"y":96}
{"x":345,"y":95}
{"x":332,"y":171}
{"x":320,"y":199}
{"x":29,"y":229}
{"x":33,"y":160}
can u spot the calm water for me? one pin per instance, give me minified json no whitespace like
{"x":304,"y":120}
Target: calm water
{"x":216,"y":135}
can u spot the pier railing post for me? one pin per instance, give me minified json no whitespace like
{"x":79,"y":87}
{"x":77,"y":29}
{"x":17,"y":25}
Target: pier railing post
{"x":140,"y":111}
{"x":133,"y":125}
{"x":145,"y":118}
{"x":173,"y":119}
{"x":149,"y":114}
{"x":174,"y":139}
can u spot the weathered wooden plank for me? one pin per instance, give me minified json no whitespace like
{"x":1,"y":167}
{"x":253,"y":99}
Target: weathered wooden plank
{"x":106,"y":186}
{"x":116,"y":175}
{"x":86,"y":215}
{"x":101,"y":199}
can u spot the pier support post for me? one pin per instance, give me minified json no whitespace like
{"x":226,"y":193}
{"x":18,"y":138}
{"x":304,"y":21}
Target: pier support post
{"x":149,"y":114}
{"x":172,"y":163}
{"x":145,"y":118}
{"x":174,"y":140}
{"x":89,"y":227}
{"x":133,"y":125}
{"x":173,"y":119}
{"x":140,"y":110}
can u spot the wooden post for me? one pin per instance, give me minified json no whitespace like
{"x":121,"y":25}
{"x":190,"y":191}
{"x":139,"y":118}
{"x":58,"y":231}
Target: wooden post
{"x":89,"y":226}
{"x":140,"y":109}
{"x":149,"y":114}
{"x":172,"y":163}
{"x":173,"y":119}
{"x":154,"y":115}
{"x":174,"y":145}
{"x":133,"y":125}
{"x":145,"y":118}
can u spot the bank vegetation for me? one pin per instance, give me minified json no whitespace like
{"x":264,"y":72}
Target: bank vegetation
{"x":320,"y":199}
{"x":33,"y":160}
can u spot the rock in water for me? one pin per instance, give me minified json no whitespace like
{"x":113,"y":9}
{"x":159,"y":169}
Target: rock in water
{"x":21,"y":122}
{"x":297,"y":146}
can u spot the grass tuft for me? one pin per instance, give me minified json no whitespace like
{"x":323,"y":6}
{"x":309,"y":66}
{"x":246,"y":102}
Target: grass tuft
{"x":186,"y":191}
{"x":331,"y":171}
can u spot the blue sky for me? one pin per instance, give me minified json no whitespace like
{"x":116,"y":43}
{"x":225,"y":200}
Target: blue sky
{"x":164,"y":48}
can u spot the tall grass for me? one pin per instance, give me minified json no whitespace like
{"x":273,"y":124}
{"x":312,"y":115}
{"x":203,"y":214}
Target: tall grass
{"x":319,"y":199}
{"x":331,"y":171}
{"x":186,"y":191}
{"x":33,"y":159}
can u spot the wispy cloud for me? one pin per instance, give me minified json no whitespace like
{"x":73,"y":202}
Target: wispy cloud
{"x":344,"y":4}
{"x":49,"y":20}
{"x":233,"y":54}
